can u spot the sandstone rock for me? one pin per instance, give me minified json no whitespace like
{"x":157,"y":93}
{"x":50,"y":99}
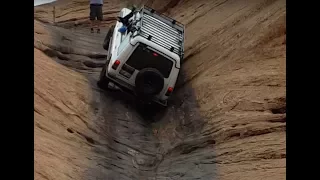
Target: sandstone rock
{"x":227,"y":119}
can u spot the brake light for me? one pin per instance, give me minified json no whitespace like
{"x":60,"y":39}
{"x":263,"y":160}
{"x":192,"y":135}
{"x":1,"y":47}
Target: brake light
{"x":155,"y":54}
{"x":169,"y":91}
{"x":115,"y":64}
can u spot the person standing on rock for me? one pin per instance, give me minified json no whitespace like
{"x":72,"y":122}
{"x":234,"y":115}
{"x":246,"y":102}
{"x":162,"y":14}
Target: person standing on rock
{"x":96,"y":14}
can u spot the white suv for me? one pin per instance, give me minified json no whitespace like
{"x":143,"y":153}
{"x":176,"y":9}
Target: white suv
{"x":145,"y":50}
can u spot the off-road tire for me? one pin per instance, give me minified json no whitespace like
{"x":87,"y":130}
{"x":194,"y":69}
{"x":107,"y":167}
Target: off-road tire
{"x":149,"y":82}
{"x":108,"y":37}
{"x":103,"y":80}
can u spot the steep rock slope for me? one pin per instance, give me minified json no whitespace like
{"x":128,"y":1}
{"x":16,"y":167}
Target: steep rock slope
{"x":227,"y":120}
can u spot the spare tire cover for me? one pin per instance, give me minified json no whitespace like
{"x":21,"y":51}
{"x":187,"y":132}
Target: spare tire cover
{"x":149,"y":81}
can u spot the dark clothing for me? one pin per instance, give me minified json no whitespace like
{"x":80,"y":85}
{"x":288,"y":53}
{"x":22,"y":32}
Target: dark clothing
{"x":96,"y":12}
{"x":96,"y":1}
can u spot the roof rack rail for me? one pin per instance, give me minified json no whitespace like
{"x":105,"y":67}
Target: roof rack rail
{"x":162,"y":30}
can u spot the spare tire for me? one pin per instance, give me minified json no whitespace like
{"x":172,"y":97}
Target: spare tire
{"x":149,"y":82}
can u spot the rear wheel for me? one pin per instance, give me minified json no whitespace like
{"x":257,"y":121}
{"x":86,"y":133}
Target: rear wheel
{"x":103,"y":80}
{"x":107,"y":38}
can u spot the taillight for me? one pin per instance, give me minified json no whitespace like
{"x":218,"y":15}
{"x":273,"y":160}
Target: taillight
{"x":169,"y":91}
{"x":115,"y":64}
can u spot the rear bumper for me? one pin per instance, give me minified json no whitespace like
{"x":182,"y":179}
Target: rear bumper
{"x":127,"y":88}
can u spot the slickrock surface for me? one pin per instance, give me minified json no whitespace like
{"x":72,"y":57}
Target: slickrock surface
{"x":227,"y":118}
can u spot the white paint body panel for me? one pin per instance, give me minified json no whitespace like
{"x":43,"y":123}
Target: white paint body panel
{"x":122,"y":46}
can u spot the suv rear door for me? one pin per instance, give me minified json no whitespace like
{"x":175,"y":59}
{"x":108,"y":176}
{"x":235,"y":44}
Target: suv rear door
{"x":146,"y":57}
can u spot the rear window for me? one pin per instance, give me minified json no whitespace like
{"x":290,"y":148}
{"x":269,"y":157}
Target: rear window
{"x":144,"y":57}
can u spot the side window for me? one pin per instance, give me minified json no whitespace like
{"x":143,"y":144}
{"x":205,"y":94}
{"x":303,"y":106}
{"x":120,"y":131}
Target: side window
{"x":124,"y":42}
